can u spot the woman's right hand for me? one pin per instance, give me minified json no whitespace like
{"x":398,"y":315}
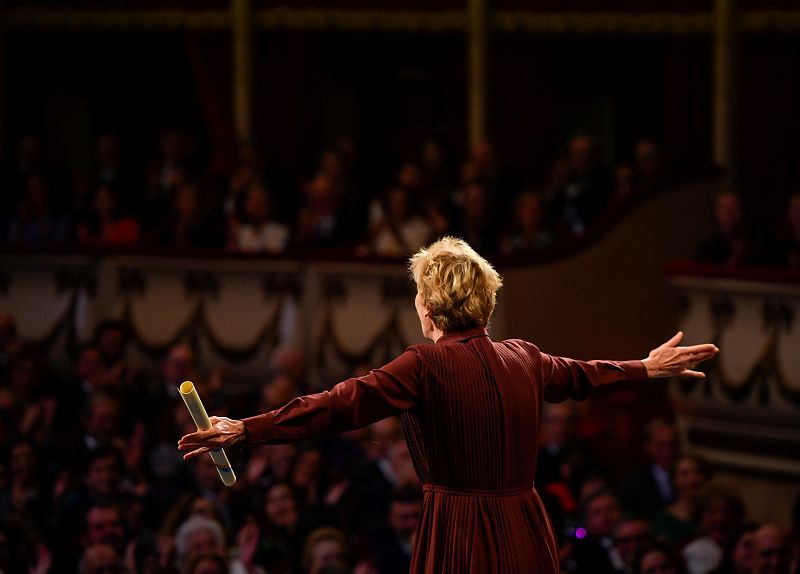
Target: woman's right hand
{"x":224,"y":432}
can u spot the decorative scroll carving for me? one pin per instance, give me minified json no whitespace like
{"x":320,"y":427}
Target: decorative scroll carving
{"x":281,"y":284}
{"x":765,"y":373}
{"x":131,"y":282}
{"x":74,"y":279}
{"x":198,"y":325}
{"x":202,"y":284}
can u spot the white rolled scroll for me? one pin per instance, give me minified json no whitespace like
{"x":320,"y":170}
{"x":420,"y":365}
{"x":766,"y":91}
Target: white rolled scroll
{"x":198,"y":412}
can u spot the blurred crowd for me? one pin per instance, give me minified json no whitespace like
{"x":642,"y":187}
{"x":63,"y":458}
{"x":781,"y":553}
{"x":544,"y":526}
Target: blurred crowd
{"x":736,"y":241}
{"x":176,"y":201}
{"x":91,"y":481}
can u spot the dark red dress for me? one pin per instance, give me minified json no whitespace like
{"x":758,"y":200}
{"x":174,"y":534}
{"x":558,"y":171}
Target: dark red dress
{"x":471,"y":409}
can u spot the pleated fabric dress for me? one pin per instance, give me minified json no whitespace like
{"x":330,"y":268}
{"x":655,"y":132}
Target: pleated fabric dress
{"x":471,"y":409}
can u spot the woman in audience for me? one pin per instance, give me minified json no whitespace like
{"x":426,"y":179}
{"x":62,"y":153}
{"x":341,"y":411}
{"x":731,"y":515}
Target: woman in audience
{"x":658,"y":558}
{"x":258,"y":230}
{"x":106,"y":226}
{"x":677,"y":523}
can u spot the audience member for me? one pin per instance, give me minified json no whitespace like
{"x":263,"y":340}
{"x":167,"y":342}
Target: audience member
{"x":771,"y":550}
{"x":106,"y":226}
{"x":595,"y":554}
{"x":258,"y":230}
{"x":631,"y":535}
{"x":320,"y":221}
{"x":188,"y":225}
{"x":36,"y":221}
{"x":164,"y":174}
{"x":394,"y":554}
{"x":658,"y":558}
{"x":100,"y":558}
{"x":324,"y":547}
{"x":732,"y":243}
{"x":474,"y":221}
{"x":721,"y":513}
{"x":399,"y":232}
{"x":740,"y":559}
{"x":649,"y":489}
{"x":587,"y":188}
{"x":528,"y":233}
{"x":676,"y":523}
{"x":786,"y":252}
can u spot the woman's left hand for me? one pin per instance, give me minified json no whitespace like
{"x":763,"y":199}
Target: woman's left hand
{"x":670,"y":360}
{"x":224,"y":432}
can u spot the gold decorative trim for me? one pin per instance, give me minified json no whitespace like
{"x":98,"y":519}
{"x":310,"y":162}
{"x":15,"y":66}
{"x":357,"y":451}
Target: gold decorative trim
{"x":602,"y":23}
{"x":359,"y":20}
{"x":118,"y":19}
{"x":433,"y":21}
{"x":771,"y":21}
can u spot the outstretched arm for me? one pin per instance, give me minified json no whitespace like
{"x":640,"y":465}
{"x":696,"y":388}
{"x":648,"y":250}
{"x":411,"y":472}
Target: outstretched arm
{"x":351,"y":404}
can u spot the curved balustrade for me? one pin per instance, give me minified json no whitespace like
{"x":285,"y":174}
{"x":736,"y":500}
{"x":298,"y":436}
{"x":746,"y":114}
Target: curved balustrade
{"x":745,"y":417}
{"x":232,"y":311}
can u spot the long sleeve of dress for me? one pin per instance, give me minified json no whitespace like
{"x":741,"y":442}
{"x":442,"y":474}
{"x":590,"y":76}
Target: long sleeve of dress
{"x":571,"y":379}
{"x":352,"y":404}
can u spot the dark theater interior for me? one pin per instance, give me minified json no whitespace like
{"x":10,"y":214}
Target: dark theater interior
{"x":229,"y":192}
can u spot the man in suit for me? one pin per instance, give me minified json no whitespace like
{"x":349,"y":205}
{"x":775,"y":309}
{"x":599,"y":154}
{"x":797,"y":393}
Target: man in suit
{"x":649,"y":489}
{"x":596,"y":554}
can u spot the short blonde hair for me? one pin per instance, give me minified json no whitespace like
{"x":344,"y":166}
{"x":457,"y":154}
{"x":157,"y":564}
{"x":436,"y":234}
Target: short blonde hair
{"x":456,"y":284}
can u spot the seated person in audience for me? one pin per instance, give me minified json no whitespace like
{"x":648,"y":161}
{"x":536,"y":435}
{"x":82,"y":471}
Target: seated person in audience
{"x":676,"y":523}
{"x":283,"y":529}
{"x":105,"y":225}
{"x":164,"y":174}
{"x":732,"y":243}
{"x":22,"y":550}
{"x":740,"y":559}
{"x":320,"y":221}
{"x":258,"y":231}
{"x":200,"y":535}
{"x":595,"y":554}
{"x":323,"y":548}
{"x":436,"y":180}
{"x":30,"y":393}
{"x":563,"y":461}
{"x":399,"y":231}
{"x":721,"y":515}
{"x":36,"y":221}
{"x":100,"y":558}
{"x":528,"y":233}
{"x":105,"y":525}
{"x":99,"y":523}
{"x":625,"y":186}
{"x":584,"y":191}
{"x":771,"y":550}
{"x":245,"y":174}
{"x":188,"y":225}
{"x":206,"y":563}
{"x":393,"y":555}
{"x":658,"y":558}
{"x":631,"y":535}
{"x":786,"y":251}
{"x":648,"y":165}
{"x":474,"y":221}
{"x":649,"y":489}
{"x":28,"y":496}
